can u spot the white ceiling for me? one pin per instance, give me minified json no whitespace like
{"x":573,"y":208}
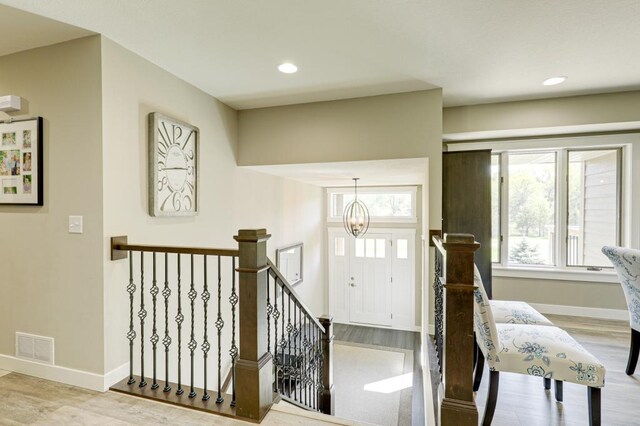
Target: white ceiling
{"x":411,"y":171}
{"x":477,"y":51}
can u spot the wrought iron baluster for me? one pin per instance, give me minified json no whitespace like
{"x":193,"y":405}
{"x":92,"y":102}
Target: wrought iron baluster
{"x":293,"y":358}
{"x":205,"y":344}
{"x":131,"y":335}
{"x":192,"y":341}
{"x":296,"y":350}
{"x":154,"y":336}
{"x":314,"y":367}
{"x":269,"y":312}
{"x":283,"y":343}
{"x":299,"y":354}
{"x":305,"y":348}
{"x":166,"y":341}
{"x":219,"y":325}
{"x":276,"y":315}
{"x":142,"y":314}
{"x":438,"y":308}
{"x":179,"y":320}
{"x":233,"y":299}
{"x":289,"y":330}
{"x":320,"y":367}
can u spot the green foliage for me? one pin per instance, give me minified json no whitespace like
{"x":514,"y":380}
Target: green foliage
{"x":525,"y":253}
{"x":531,"y":199}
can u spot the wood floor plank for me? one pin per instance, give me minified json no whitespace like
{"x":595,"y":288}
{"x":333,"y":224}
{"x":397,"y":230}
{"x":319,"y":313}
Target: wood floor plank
{"x":26,"y":400}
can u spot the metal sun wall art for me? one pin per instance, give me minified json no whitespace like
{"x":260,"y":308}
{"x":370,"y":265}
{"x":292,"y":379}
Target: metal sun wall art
{"x":173,"y":167}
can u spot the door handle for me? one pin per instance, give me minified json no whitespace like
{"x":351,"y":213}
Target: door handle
{"x":353,"y":285}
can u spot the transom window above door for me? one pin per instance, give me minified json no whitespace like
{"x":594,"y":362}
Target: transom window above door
{"x":385,"y":204}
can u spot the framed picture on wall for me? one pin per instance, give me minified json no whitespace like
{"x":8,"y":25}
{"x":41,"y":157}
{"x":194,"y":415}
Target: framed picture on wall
{"x":173,"y":167}
{"x":289,"y":262}
{"x":21,"y":162}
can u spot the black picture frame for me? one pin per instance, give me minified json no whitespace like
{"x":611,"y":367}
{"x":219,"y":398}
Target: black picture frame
{"x":22,"y":162}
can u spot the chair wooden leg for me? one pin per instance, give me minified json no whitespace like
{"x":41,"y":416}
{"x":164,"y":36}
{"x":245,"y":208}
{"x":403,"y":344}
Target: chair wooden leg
{"x":475,"y":351}
{"x":547,"y":383}
{"x":558,"y":390}
{"x":634,"y":350}
{"x":479,"y":370}
{"x":594,"y":406}
{"x":492,"y":398}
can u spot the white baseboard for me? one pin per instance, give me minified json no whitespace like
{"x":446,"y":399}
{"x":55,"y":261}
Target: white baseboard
{"x":115,"y":375}
{"x":580,"y":311}
{"x":69,"y":376}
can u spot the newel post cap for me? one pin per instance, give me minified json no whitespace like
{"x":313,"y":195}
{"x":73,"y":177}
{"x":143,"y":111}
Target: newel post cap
{"x":460,"y":242}
{"x":252,"y":236}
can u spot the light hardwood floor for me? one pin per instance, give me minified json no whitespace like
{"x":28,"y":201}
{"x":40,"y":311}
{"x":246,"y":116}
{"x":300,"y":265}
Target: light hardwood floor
{"x":522,"y":400}
{"x":26,"y":400}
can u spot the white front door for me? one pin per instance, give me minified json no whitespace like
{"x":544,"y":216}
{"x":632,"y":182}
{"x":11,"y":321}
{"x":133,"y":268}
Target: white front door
{"x":370,"y":279}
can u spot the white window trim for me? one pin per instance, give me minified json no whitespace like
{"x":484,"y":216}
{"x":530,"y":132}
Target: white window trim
{"x":630,"y":232}
{"x":413,"y":190}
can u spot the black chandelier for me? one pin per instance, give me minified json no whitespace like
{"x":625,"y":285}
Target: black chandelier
{"x":356,"y":216}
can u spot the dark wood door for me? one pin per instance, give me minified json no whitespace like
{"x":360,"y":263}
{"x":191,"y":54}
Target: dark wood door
{"x":466,"y":202}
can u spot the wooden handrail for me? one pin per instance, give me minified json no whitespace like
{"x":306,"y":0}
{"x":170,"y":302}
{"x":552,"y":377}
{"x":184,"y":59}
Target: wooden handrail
{"x":293,"y":293}
{"x":120,"y":247}
{"x":455,"y":242}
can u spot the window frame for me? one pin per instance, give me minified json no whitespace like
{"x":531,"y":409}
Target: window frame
{"x":412,"y":190}
{"x":628,"y":224}
{"x":619,"y":197}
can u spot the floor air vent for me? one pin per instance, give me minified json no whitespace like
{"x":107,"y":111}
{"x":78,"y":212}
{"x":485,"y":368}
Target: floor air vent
{"x":34,"y":348}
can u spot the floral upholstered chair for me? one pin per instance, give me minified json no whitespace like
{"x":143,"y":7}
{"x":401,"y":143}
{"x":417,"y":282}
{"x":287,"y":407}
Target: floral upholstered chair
{"x":511,"y":311}
{"x":543,"y":351}
{"x":627,"y":264}
{"x":506,"y":312}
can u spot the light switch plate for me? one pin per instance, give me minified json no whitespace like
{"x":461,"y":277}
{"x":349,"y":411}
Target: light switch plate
{"x":75,"y":224}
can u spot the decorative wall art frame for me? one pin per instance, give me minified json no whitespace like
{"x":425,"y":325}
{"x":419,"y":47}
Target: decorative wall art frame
{"x":289,"y":261}
{"x":21,"y":162}
{"x":173,"y":167}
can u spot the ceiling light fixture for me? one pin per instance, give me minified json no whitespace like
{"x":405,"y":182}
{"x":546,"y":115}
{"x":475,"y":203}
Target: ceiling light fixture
{"x":552,"y":81}
{"x":356,"y":215}
{"x":287,"y":68}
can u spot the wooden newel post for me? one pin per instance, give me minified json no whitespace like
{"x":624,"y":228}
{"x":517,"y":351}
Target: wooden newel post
{"x":328,"y":401}
{"x":254,"y":381}
{"x":458,"y":407}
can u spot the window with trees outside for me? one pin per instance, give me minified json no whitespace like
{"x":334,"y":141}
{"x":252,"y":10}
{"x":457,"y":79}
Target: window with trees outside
{"x":556,"y":208}
{"x":385,"y":204}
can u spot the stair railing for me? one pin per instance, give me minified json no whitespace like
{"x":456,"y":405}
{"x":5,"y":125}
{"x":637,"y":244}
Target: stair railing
{"x":210,"y":307}
{"x":454,"y":287}
{"x":301,"y":347}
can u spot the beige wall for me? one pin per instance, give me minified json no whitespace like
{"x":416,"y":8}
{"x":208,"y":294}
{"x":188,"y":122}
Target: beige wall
{"x":557,"y":292}
{"x":404,"y":125}
{"x":230,"y":197}
{"x":557,"y":112}
{"x":372,"y":128}
{"x":52,"y":281}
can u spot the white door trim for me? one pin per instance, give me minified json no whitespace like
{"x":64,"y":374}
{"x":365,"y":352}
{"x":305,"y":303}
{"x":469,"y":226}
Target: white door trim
{"x":398,"y":322}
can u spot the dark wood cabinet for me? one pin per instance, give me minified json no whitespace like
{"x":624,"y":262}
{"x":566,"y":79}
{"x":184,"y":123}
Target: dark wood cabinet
{"x":466,"y":202}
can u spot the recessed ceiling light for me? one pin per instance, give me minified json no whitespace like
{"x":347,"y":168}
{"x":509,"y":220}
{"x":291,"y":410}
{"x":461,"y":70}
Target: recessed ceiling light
{"x":552,"y":81}
{"x":287,"y":68}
